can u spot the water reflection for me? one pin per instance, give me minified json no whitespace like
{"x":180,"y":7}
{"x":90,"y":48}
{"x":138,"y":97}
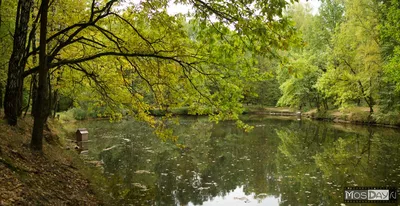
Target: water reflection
{"x":281,"y":162}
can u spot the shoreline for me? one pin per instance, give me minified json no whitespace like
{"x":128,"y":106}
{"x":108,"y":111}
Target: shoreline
{"x":358,"y":116}
{"x":355,"y":115}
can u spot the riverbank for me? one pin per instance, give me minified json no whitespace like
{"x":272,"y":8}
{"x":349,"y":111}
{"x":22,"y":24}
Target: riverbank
{"x":54,"y":177}
{"x":354,"y":115}
{"x":274,"y":111}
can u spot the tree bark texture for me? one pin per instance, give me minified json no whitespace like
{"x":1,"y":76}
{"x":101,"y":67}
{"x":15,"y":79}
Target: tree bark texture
{"x":42,"y":101}
{"x":34,"y":61}
{"x":13,"y":95}
{"x":1,"y":95}
{"x":34,"y":95}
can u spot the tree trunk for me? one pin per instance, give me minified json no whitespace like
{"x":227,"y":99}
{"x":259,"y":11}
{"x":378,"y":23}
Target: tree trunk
{"x":1,"y":96}
{"x":0,"y":14}
{"x":325,"y":104}
{"x":371,"y":100}
{"x":29,"y":99}
{"x":34,"y":94}
{"x":371,"y":104}
{"x":34,"y":61}
{"x":55,"y":103}
{"x":56,"y":96}
{"x":43,"y":93}
{"x":13,"y":96}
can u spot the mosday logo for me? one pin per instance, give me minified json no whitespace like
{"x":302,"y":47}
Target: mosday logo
{"x":378,"y":194}
{"x":370,"y":194}
{"x":356,"y":194}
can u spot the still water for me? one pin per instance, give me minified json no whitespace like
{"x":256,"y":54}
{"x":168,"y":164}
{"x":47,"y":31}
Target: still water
{"x":281,"y":162}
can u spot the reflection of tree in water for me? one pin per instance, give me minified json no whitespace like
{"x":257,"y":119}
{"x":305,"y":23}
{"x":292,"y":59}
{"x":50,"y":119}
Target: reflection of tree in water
{"x":127,"y":170}
{"x":299,"y":175}
{"x":233,"y":159}
{"x":302,"y":163}
{"x":320,"y":164}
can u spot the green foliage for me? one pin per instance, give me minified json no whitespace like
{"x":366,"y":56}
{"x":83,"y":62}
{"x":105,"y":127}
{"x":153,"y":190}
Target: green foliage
{"x":65,"y":103}
{"x":298,"y":87}
{"x":88,"y":111}
{"x":389,"y":35}
{"x":305,"y":64}
{"x":389,"y":118}
{"x":7,"y":16}
{"x":173,"y":111}
{"x":266,"y":91}
{"x":331,"y":15}
{"x":140,"y":58}
{"x":79,"y":114}
{"x":355,"y":61}
{"x":348,"y":57}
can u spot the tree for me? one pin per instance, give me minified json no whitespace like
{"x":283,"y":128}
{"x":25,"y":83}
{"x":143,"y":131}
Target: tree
{"x":389,"y":27}
{"x":7,"y":23}
{"x":16,"y":65}
{"x":43,"y":91}
{"x":356,"y":60}
{"x":330,"y":16}
{"x":1,"y":83}
{"x":300,"y":73}
{"x":300,"y":76}
{"x":124,"y":54}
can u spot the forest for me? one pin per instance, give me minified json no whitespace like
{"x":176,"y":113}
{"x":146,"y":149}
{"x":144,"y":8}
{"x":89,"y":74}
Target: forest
{"x":114,"y":58}
{"x":176,"y":98}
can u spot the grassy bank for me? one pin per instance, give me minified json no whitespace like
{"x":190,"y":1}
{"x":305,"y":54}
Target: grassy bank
{"x":276,"y":111}
{"x":57,"y":176}
{"x":356,"y":115}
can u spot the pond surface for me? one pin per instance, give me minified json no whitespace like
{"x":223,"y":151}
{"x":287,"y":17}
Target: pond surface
{"x":281,"y":162}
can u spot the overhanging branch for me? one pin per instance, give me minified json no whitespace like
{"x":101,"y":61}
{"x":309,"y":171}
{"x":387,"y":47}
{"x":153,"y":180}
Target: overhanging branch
{"x":96,"y":56}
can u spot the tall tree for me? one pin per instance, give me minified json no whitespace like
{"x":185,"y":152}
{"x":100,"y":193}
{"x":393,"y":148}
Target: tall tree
{"x":125,"y":54}
{"x":1,"y":95}
{"x":305,"y":62}
{"x":43,"y":90}
{"x":1,"y":69}
{"x":7,"y":23}
{"x":329,"y":18}
{"x":355,"y":60}
{"x":1,"y":83}
{"x":16,"y":65}
{"x":389,"y":35}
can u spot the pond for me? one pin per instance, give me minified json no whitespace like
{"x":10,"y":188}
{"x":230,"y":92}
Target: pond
{"x":280,"y":162}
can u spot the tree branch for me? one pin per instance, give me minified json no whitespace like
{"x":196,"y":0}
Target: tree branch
{"x":92,"y":21}
{"x":96,"y":56}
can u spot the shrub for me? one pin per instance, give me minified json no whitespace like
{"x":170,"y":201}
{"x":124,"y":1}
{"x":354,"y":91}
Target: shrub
{"x":392,"y":118}
{"x":79,"y":113}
